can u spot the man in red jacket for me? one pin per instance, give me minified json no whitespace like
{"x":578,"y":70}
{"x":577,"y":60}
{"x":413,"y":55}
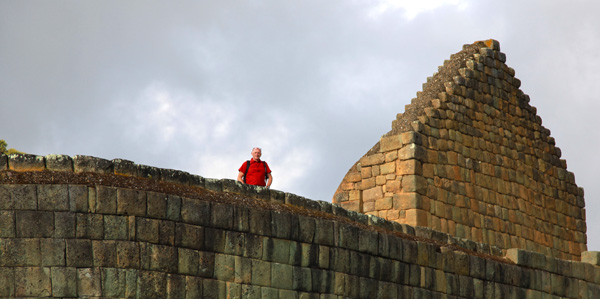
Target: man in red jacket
{"x":255,"y":171}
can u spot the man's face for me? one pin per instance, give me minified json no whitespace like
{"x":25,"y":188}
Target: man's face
{"x":256,"y":153}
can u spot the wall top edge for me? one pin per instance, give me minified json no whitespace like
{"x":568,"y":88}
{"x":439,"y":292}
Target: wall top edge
{"x":82,"y":164}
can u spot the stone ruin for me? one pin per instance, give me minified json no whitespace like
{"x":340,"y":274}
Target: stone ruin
{"x":471,"y":158}
{"x":477,"y":201}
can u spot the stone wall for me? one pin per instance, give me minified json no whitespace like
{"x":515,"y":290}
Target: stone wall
{"x":89,"y":227}
{"x":470,"y":157}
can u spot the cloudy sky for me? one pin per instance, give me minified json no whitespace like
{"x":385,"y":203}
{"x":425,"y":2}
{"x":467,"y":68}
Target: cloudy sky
{"x":194,"y":85}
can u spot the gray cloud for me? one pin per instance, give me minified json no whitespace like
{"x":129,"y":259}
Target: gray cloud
{"x":196,"y":84}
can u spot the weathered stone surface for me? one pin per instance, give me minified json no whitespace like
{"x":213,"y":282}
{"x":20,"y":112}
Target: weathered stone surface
{"x":195,"y":211}
{"x":26,"y":162}
{"x":131,"y":202}
{"x":52,"y":252}
{"x":23,"y":197}
{"x":83,"y":164}
{"x":64,"y":281}
{"x":53,"y":197}
{"x":591,"y":257}
{"x":59,"y":163}
{"x":124,"y":167}
{"x":7,"y":224}
{"x":115,"y":227}
{"x":79,"y":253}
{"x":32,"y":282}
{"x":34,"y":224}
{"x":462,"y":134}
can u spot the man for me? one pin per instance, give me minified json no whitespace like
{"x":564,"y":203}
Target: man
{"x":255,"y":171}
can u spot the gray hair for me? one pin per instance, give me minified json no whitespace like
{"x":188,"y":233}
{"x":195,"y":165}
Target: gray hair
{"x":258,"y":148}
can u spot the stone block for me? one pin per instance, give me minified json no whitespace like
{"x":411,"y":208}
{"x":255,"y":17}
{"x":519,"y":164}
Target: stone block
{"x":352,"y":206}
{"x":6,"y":202}
{"x":52,"y":252}
{"x":387,"y":168}
{"x":64,"y":281}
{"x":7,"y":224}
{"x":414,"y":183}
{"x":156,"y":205}
{"x":261,"y":272}
{"x":408,"y":167}
{"x":78,"y":198}
{"x":20,"y":252}
{"x":23,"y":197}
{"x":221,"y":215}
{"x":33,"y":282}
{"x":131,"y":202}
{"x":195,"y":211}
{"x":374,"y":159}
{"x":82,"y":164}
{"x":64,"y":225}
{"x":148,"y":172}
{"x":243,"y":270}
{"x":354,"y":177}
{"x":104,"y":253}
{"x":276,"y":196}
{"x":106,"y":200}
{"x":390,"y":143}
{"x":176,"y":286}
{"x":174,"y":208}
{"x":283,"y":224}
{"x":147,"y":230}
{"x":276,"y":250}
{"x":368,"y":241}
{"x":7,"y":281}
{"x":189,"y":236}
{"x":26,"y":162}
{"x":90,"y":226}
{"x":152,"y":284}
{"x":159,"y":257}
{"x":116,"y":227}
{"x":224,"y":267}
{"x":193,"y":287}
{"x":206,"y":263}
{"x":416,"y":217}
{"x":324,"y":232}
{"x":34,"y":224}
{"x":166,"y":232}
{"x":302,"y":279}
{"x":79,"y":253}
{"x":59,"y":163}
{"x":213,"y":184}
{"x":281,"y":276}
{"x":175,"y":176}
{"x":408,"y":200}
{"x":127,"y":254}
{"x":114,"y":282}
{"x":366,"y":183}
{"x":412,"y":152}
{"x":253,"y":246}
{"x":301,"y":201}
{"x":591,"y":257}
{"x":53,"y":197}
{"x":373,"y":194}
{"x":124,"y":167}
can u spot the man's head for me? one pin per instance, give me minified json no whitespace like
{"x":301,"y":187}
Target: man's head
{"x":256,"y":153}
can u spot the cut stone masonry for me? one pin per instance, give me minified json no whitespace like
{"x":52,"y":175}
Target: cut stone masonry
{"x":470,"y":157}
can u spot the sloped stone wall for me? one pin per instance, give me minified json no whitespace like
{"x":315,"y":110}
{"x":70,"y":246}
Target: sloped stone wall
{"x":70,"y":227}
{"x":470,"y":157}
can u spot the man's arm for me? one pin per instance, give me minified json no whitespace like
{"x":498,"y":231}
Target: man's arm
{"x":269,"y":180}
{"x":240,"y":177}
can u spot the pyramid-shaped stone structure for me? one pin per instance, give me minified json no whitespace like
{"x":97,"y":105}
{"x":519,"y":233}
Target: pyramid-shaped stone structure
{"x":470,"y":157}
